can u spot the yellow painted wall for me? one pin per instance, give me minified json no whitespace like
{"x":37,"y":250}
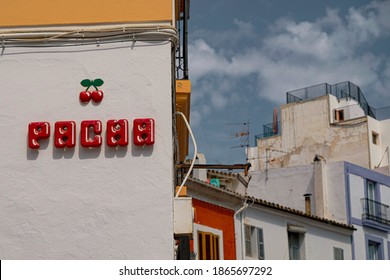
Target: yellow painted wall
{"x":183,"y":100}
{"x":59,"y":12}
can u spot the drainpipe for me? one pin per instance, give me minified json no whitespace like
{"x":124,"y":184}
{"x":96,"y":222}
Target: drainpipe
{"x":240,"y":211}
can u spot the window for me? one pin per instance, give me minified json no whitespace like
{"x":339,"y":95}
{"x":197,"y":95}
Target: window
{"x":338,"y":253}
{"x":374,"y":247}
{"x":294,"y":246}
{"x":375,"y":138}
{"x":254,"y":242}
{"x":373,"y":209}
{"x":370,"y":190}
{"x":296,"y":235}
{"x":208,"y":246}
{"x":339,"y":115}
{"x":208,"y":243}
{"x":373,"y":250}
{"x":371,"y":198}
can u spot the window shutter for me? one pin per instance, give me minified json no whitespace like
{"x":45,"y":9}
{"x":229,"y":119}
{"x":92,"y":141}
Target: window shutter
{"x":338,"y":253}
{"x":260,"y":242}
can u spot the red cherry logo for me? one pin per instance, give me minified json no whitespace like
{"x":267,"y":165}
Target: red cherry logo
{"x":97,"y":96}
{"x":85,"y":96}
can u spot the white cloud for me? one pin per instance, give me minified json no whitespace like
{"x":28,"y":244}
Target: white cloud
{"x":382,"y":9}
{"x":331,"y":49}
{"x":205,"y":60}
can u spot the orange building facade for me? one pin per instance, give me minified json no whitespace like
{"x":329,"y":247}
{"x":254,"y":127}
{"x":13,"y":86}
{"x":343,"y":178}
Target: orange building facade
{"x":214,"y":236}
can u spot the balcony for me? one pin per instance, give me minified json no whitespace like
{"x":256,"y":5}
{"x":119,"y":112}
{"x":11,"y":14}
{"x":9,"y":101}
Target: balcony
{"x":269,"y":130}
{"x":375,"y":214}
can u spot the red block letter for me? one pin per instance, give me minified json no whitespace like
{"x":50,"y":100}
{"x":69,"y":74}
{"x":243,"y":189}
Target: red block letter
{"x":117,"y":133}
{"x":90,"y":133}
{"x":36,"y":131}
{"x":143,"y":132}
{"x":65,"y":134}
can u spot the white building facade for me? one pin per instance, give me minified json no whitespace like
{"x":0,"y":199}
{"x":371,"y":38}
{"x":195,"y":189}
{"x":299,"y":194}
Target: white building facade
{"x":268,"y":231}
{"x":339,"y":191}
{"x":275,"y":232}
{"x":87,"y":176}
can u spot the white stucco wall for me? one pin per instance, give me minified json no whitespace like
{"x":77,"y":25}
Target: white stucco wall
{"x":378,"y":154}
{"x":285,"y":186}
{"x":356,"y":187}
{"x":376,"y":150}
{"x":336,"y":196}
{"x":350,"y":107}
{"x":99,"y":203}
{"x":385,"y":137}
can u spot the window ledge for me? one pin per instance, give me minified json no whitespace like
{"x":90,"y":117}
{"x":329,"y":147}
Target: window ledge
{"x":376,"y":225}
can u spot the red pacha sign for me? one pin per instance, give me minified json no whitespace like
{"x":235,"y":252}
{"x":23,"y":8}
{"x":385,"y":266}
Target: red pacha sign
{"x":117,"y":133}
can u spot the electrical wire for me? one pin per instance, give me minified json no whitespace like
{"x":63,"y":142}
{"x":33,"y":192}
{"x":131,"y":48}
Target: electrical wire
{"x":85,"y":35}
{"x":195,"y":153}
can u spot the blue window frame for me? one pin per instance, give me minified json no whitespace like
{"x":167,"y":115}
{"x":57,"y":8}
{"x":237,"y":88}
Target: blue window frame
{"x":374,"y":247}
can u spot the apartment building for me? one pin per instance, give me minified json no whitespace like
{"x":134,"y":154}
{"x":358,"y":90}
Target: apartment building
{"x":332,"y":121}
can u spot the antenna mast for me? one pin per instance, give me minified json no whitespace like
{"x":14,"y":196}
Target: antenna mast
{"x":241,"y":135}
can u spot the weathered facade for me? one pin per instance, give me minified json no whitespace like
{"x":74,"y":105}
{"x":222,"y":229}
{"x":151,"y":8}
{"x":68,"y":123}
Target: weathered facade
{"x":329,"y":121}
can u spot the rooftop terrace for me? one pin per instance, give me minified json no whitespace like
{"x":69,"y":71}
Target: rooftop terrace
{"x":340,"y":90}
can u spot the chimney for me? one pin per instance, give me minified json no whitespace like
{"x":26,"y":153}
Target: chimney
{"x":308,"y":203}
{"x":320,"y":187}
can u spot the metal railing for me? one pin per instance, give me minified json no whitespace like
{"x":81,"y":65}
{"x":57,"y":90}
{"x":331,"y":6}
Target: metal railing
{"x":340,"y":90}
{"x":269,"y":130}
{"x":375,"y":211}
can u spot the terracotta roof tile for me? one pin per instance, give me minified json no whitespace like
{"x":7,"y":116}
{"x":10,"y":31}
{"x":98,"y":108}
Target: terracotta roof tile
{"x":273,"y":205}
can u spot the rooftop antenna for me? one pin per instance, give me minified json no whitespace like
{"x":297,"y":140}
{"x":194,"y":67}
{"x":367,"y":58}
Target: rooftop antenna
{"x":241,"y":134}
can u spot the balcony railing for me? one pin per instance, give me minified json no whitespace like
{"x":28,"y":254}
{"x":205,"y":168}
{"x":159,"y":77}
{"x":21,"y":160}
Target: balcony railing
{"x":375,"y":211}
{"x":269,"y":130}
{"x":340,"y":90}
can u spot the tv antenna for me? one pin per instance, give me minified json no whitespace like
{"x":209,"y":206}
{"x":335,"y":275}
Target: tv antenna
{"x":240,"y":134}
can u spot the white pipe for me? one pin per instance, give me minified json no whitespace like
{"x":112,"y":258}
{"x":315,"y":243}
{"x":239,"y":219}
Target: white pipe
{"x":242,"y":208}
{"x":239,"y":211}
{"x":195,"y":153}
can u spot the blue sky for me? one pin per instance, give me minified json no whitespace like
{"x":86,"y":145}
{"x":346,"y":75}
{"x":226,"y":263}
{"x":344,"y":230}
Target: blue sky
{"x":245,"y":55}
